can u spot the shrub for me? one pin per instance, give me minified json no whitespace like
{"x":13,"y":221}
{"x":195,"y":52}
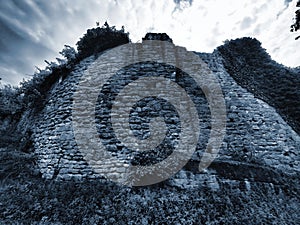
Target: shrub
{"x":10,"y":101}
{"x":252,"y":68}
{"x":158,"y":37}
{"x":99,"y":39}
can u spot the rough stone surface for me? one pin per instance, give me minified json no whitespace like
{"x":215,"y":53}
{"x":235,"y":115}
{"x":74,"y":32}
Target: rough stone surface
{"x":255,"y":132}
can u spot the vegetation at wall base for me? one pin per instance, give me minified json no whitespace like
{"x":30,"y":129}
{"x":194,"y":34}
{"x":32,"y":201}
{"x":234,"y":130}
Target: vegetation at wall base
{"x":26,"y":198}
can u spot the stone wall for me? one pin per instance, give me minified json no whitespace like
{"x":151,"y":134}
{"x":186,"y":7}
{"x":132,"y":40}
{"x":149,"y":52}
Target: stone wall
{"x":255,"y":132}
{"x":253,"y":127}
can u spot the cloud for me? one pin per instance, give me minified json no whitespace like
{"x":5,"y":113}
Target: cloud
{"x":236,"y":19}
{"x":182,"y":4}
{"x":183,"y":1}
{"x":19,"y":49}
{"x":286,"y":2}
{"x":32,"y":31}
{"x":247,"y":22}
{"x":279,"y":41}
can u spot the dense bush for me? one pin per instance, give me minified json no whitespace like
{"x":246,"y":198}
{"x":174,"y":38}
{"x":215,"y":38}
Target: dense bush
{"x":32,"y":94}
{"x":157,"y":37}
{"x":99,"y":39}
{"x":94,"y":41}
{"x":35,"y":90}
{"x":252,"y":67}
{"x":11,"y":106}
{"x":10,"y":101}
{"x":30,"y":200}
{"x":68,"y":53}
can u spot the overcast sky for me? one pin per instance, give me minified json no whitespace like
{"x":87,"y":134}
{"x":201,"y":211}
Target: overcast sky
{"x":34,"y":30}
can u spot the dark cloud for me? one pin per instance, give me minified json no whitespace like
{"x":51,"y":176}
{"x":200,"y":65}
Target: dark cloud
{"x":181,"y":4}
{"x":286,"y":2}
{"x":20,"y":49}
{"x":34,"y":30}
{"x":180,"y":1}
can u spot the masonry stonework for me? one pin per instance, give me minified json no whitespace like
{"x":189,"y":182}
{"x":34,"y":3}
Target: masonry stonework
{"x":255,"y":132}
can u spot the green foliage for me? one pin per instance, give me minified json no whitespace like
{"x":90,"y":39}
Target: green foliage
{"x":296,"y":26}
{"x":28,"y":199}
{"x":68,"y":53}
{"x":36,"y":89}
{"x":32,"y":94}
{"x":33,"y":90}
{"x":10,"y":101}
{"x":158,"y":37}
{"x":99,"y":39}
{"x":11,"y":109}
{"x":252,"y":68}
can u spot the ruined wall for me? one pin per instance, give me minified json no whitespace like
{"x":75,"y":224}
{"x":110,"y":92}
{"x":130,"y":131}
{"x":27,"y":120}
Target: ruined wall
{"x":255,"y":132}
{"x":254,"y":126}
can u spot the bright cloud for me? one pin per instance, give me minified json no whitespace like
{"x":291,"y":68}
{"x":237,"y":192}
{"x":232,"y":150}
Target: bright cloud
{"x":32,"y":31}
